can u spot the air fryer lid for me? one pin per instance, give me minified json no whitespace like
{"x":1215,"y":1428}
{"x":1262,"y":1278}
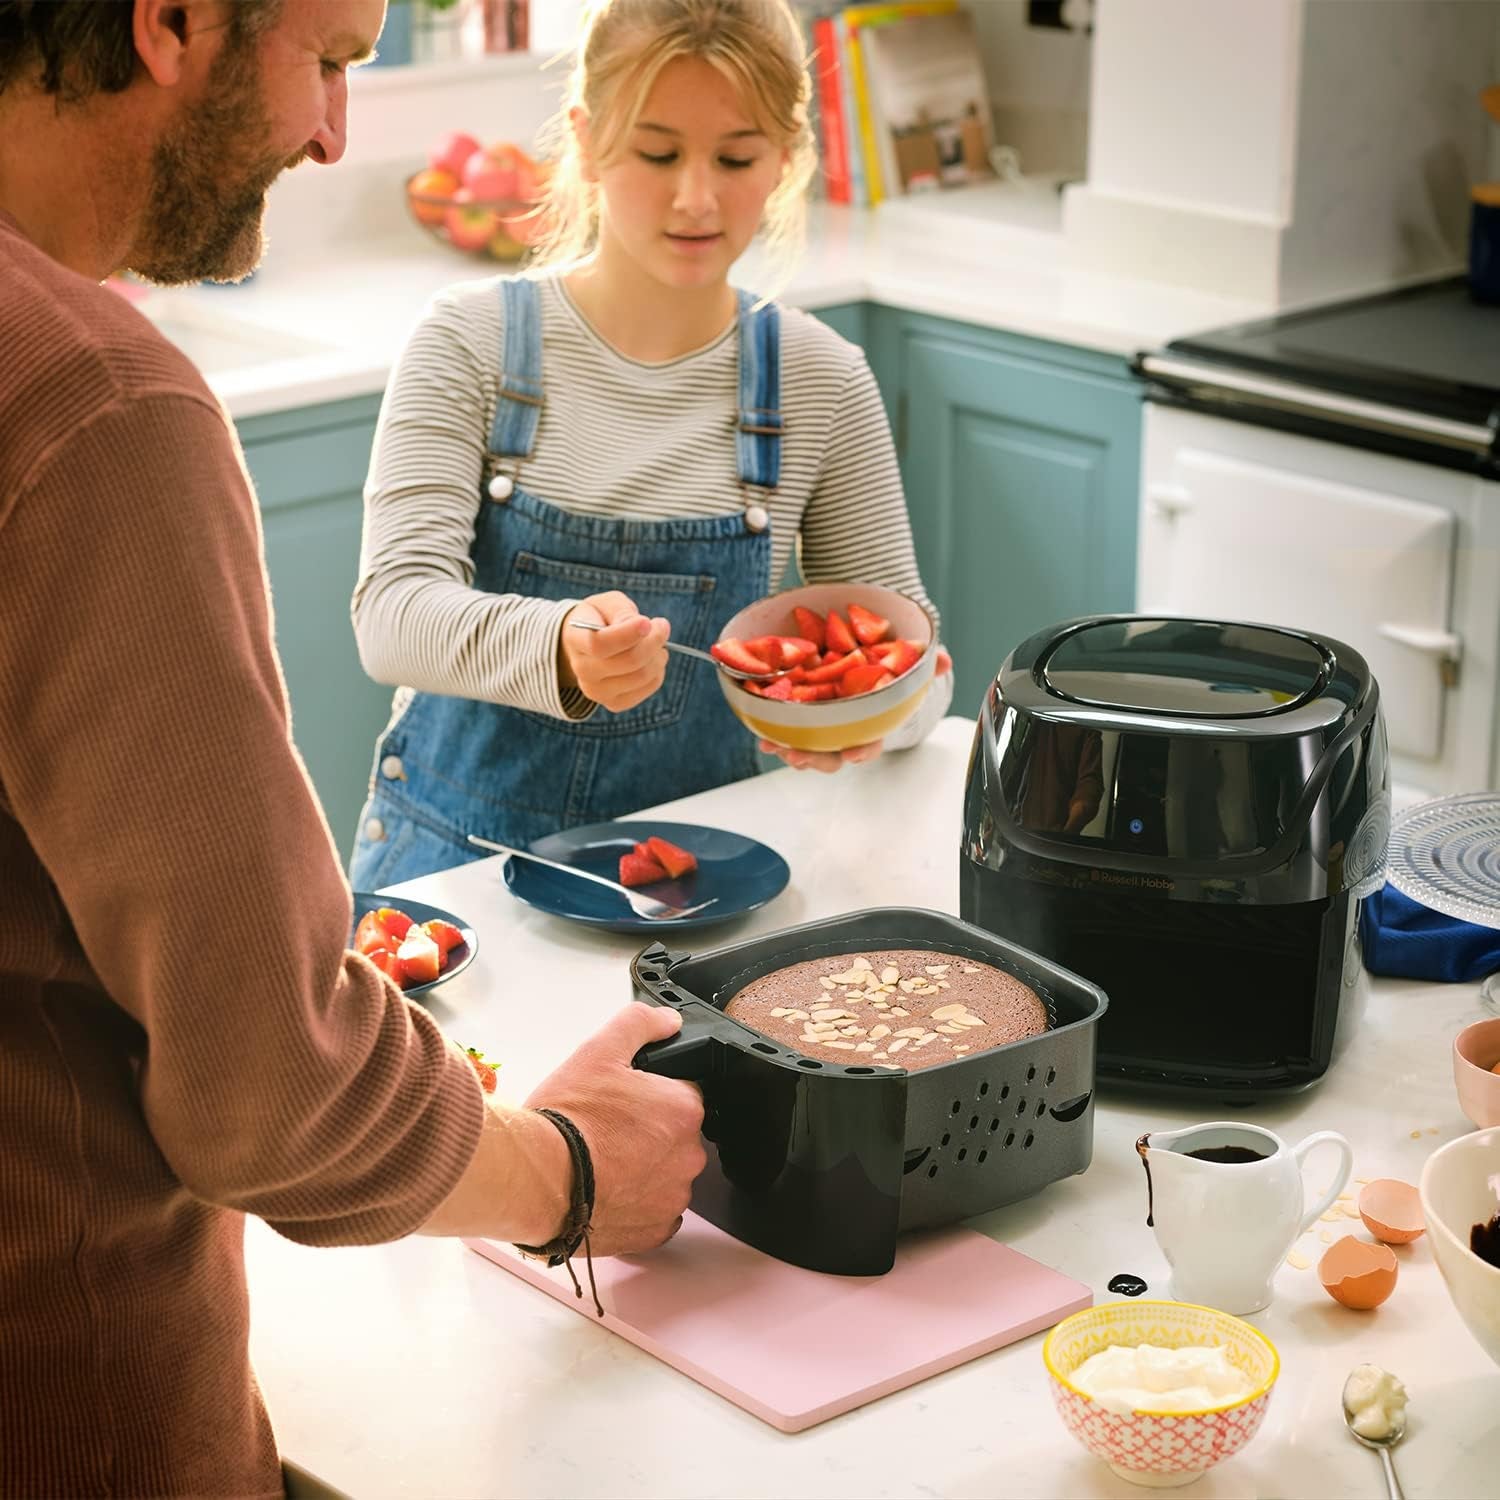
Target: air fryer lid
{"x":1186,"y":668}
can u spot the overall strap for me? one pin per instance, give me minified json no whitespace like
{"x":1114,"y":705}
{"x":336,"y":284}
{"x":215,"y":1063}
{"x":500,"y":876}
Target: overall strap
{"x":757,"y":438}
{"x":520,"y":402}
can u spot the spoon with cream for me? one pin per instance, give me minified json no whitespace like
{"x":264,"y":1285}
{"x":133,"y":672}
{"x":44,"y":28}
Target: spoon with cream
{"x":1375,"y":1412}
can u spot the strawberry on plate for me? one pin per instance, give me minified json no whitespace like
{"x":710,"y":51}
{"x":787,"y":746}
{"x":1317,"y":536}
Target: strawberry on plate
{"x":675,"y":861}
{"x":445,"y":935}
{"x":419,"y":958}
{"x":640,"y":869}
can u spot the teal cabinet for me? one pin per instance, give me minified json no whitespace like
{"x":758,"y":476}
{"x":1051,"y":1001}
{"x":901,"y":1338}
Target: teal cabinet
{"x":848,"y":319}
{"x":309,"y":469}
{"x":1021,"y":462}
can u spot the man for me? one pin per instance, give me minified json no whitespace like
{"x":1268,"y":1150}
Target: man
{"x":183,"y":1037}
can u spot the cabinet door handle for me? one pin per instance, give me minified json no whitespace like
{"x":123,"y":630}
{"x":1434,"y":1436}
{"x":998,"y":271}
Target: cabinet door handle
{"x":1442,"y":644}
{"x":1169,"y":500}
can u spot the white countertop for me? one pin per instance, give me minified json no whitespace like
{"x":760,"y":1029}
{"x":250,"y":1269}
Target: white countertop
{"x":324,"y":319}
{"x":420,"y":1369}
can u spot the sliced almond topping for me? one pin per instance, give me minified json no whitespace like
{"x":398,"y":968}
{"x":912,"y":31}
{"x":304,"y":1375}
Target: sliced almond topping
{"x":876,"y":1032}
{"x":842,"y":1046}
{"x":947,"y":1012}
{"x":880,"y":1054}
{"x":968,"y":1020}
{"x":897,"y":1045}
{"x":896,"y":1010}
{"x":862,"y":963}
{"x":938,"y":968}
{"x":969,"y":969}
{"x":960,"y":1049}
{"x":913,"y":1031}
{"x":943,"y":984}
{"x":864,"y":1046}
{"x":780,"y":1011}
{"x":826,"y":982}
{"x":890,"y":974}
{"x":949,"y":1029}
{"x":796,"y":1015}
{"x":829,"y":1014}
{"x":931,"y":1036}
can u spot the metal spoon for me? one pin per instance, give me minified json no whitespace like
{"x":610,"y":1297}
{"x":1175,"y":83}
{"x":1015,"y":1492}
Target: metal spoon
{"x":1382,"y":1445}
{"x":713,"y":661}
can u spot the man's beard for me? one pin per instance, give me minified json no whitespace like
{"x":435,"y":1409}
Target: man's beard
{"x":209,"y":183}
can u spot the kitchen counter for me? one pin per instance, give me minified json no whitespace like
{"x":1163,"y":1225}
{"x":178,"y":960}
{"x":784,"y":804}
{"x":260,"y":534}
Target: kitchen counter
{"x":420,"y":1369}
{"x":324,"y":320}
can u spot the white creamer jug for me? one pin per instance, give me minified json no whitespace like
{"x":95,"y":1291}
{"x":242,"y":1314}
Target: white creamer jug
{"x":1226,"y":1216}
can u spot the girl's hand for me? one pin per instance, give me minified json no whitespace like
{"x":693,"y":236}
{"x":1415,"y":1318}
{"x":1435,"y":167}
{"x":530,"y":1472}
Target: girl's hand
{"x":829,"y":760}
{"x":620,"y":665}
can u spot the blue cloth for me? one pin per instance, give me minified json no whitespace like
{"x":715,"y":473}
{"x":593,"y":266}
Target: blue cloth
{"x":515,"y":776}
{"x":1403,"y":938}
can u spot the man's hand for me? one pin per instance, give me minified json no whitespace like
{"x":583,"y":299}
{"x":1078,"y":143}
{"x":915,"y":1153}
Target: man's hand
{"x":620,"y":665}
{"x":835,"y":760}
{"x":642,"y":1131}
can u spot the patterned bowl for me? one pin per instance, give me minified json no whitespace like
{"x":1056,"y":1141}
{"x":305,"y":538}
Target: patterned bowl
{"x":837,"y":723}
{"x":1160,"y":1449}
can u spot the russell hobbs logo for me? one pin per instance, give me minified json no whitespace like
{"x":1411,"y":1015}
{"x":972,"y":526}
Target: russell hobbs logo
{"x":1140,"y":882}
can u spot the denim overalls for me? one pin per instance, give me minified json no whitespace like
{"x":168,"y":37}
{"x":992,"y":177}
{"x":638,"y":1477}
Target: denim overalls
{"x":447,"y":766}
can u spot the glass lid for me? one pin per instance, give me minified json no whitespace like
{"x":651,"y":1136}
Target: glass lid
{"x":1189,"y":668}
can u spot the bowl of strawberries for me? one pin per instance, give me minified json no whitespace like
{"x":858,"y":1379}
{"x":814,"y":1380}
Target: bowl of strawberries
{"x":850,"y":662}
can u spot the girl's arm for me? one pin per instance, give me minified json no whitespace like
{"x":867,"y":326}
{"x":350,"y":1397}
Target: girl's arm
{"x":418,"y":619}
{"x":856,"y":528}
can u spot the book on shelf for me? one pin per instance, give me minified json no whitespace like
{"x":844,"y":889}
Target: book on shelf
{"x":929,"y":107}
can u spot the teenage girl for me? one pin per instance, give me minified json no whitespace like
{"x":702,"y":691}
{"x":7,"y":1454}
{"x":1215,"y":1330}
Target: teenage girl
{"x":618,"y":436}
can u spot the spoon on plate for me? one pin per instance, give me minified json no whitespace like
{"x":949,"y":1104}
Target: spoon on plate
{"x":713,"y":661}
{"x":1383,"y":1442}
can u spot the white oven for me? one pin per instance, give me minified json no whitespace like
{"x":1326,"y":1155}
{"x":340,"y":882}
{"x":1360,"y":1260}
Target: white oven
{"x":1396,"y":556}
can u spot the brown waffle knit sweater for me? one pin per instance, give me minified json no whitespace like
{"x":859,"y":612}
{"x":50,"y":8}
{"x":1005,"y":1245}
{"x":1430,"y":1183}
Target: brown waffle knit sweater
{"x":183,"y":1038}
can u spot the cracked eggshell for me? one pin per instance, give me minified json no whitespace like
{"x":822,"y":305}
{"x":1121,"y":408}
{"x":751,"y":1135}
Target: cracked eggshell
{"x":1392,"y":1211}
{"x":1357,"y":1274}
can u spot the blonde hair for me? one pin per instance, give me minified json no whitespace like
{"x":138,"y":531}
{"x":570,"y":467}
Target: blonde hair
{"x":622,"y":46}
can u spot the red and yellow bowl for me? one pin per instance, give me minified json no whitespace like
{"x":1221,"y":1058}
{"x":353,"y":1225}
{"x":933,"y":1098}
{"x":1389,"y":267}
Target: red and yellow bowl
{"x":1160,"y":1449}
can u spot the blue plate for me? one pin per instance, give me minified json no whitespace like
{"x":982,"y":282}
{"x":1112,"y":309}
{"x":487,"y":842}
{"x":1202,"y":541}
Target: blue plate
{"x":741,"y":873}
{"x":459,"y":958}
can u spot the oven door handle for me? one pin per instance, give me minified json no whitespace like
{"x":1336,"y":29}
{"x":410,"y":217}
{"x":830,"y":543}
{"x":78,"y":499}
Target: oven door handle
{"x":1445,"y":647}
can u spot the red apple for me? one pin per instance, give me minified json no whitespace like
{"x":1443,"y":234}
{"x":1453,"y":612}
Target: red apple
{"x":433,"y":183}
{"x":452,"y":152}
{"x":469,"y":224}
{"x":499,"y":165}
{"x":494,"y":185}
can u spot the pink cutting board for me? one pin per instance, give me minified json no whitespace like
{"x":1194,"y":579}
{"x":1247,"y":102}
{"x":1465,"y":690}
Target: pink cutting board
{"x":796,"y":1347}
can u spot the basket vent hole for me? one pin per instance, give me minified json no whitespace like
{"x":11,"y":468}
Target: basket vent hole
{"x":763,"y":1047}
{"x":1020,"y":1108}
{"x":958,"y":1104}
{"x":973,"y":1122}
{"x":1041,"y":1108}
{"x":1051,"y":1076}
{"x":1004,"y":1092}
{"x":984,"y":1088}
{"x":1010,"y":1138}
{"x":946,"y":1138}
{"x":980,"y":1158}
{"x":963,"y":1151}
{"x":994,"y":1126}
{"x":809,"y":1062}
{"x":859,"y":1070}
{"x":1030,"y":1137}
{"x":1030,"y":1074}
{"x":932,"y":1170}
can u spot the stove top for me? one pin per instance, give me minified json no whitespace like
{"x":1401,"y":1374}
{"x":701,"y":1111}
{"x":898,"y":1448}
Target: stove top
{"x":1428,"y":350}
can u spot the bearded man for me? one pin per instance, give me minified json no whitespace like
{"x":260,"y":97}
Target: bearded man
{"x":167,"y":1066}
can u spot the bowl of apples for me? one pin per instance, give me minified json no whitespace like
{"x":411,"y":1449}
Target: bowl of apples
{"x":483,"y":200}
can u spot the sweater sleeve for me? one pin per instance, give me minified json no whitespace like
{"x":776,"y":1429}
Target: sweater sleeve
{"x":856,"y":524}
{"x":418,"y":618}
{"x":147,"y":755}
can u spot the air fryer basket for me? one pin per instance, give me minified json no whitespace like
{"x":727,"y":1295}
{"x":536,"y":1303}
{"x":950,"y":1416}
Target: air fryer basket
{"x":821,"y":1163}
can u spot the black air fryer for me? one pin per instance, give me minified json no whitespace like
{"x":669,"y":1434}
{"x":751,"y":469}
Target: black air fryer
{"x":1186,"y":812}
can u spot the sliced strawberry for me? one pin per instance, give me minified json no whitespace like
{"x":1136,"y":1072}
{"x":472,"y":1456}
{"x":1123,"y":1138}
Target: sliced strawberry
{"x":445,"y":935}
{"x":836,"y":668}
{"x":640,"y":869}
{"x":780,"y":690}
{"x":386,"y":961}
{"x":795,"y":650}
{"x":810,"y":625}
{"x":896,"y":656}
{"x":867,"y":626}
{"x":749,"y":687}
{"x":372,"y":936}
{"x":837,"y":636}
{"x":736,"y":654}
{"x":676,"y":862}
{"x":418,"y":957}
{"x":766,"y":648}
{"x":863,"y":680}
{"x":814,"y":692}
{"x":485,"y":1070}
{"x":397,"y":923}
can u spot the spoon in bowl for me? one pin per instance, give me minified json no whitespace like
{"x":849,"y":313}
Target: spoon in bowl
{"x":1382,"y":1442}
{"x":713,"y":661}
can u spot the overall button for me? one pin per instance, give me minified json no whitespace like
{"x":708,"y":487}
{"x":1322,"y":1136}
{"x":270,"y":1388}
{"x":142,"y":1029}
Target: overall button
{"x":375,"y":830}
{"x":502,"y":486}
{"x":392,"y":769}
{"x":756,"y":518}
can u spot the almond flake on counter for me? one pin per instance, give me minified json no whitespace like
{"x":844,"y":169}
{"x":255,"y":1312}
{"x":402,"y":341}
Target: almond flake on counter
{"x":1301,"y":1262}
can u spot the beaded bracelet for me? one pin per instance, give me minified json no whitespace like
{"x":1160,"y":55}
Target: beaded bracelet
{"x":575,"y":1231}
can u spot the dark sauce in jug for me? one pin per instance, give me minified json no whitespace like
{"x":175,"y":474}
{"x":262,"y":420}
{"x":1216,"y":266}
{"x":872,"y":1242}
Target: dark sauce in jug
{"x":1222,"y":1154}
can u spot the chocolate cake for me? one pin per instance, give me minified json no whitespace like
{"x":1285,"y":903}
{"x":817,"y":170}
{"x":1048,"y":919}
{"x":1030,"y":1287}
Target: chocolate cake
{"x":890,"y":1008}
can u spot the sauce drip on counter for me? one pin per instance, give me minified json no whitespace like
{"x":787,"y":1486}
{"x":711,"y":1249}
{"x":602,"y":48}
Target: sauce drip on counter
{"x":1126,"y":1285}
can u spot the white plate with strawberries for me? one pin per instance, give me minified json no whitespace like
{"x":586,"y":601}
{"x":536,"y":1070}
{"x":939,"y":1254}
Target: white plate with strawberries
{"x":680,"y":863}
